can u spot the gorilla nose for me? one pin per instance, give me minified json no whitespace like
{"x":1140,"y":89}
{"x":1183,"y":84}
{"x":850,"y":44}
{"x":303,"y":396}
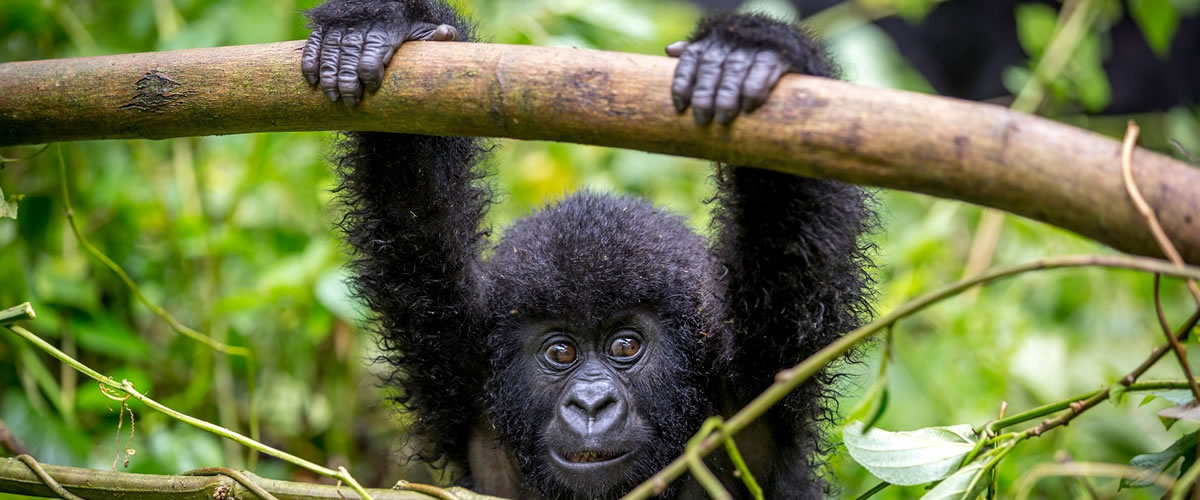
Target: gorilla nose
{"x":593,"y":408}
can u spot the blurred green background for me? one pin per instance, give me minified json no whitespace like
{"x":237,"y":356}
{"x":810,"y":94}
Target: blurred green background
{"x":233,"y":235}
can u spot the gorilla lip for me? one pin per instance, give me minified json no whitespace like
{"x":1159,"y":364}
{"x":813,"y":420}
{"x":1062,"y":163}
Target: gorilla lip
{"x":588,"y":458}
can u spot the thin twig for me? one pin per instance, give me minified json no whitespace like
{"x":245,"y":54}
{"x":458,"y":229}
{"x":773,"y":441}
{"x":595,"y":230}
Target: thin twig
{"x":133,"y":287}
{"x":11,"y":442}
{"x":1078,"y":407}
{"x":427,"y":489}
{"x":871,"y":492}
{"x":178,"y":327}
{"x":127,"y":387}
{"x":787,"y":380}
{"x":1180,"y":351}
{"x":23,"y":312}
{"x":1160,"y":236}
{"x":236,"y":476}
{"x":1080,"y":469}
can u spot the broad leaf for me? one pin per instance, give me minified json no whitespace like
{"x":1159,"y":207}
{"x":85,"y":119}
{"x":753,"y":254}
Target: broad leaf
{"x":1153,"y":464}
{"x":912,"y":457}
{"x":1177,"y":396}
{"x":962,"y":485}
{"x":1189,"y":411}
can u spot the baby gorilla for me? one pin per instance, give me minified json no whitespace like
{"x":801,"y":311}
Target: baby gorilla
{"x":579,"y":356}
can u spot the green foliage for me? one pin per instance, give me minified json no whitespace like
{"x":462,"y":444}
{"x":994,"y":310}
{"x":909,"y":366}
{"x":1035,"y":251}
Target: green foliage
{"x":1158,"y":20}
{"x":233,"y":235}
{"x":912,"y":457}
{"x":1156,"y":463}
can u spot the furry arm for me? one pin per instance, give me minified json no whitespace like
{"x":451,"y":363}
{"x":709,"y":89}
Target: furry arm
{"x":413,"y":210}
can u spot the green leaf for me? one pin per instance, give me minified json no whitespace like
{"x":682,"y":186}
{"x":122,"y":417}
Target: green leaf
{"x":1177,"y":396}
{"x":912,"y":457}
{"x":1189,"y":411}
{"x":9,"y":208}
{"x":1116,"y":395}
{"x":1035,"y":27}
{"x":103,"y":335}
{"x":961,"y":485}
{"x":1158,"y":20}
{"x":1153,"y":464}
{"x":872,"y":405}
{"x":1087,"y":75}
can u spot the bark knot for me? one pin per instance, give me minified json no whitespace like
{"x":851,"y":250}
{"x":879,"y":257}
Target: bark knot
{"x":155,"y":91}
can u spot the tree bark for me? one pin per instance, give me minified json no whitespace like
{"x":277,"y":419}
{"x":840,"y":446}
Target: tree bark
{"x":968,"y":151}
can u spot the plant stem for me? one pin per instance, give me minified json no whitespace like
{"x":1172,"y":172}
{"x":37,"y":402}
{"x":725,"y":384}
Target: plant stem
{"x":128,"y":388}
{"x":787,"y":380}
{"x":1041,"y":411}
{"x":23,"y":312}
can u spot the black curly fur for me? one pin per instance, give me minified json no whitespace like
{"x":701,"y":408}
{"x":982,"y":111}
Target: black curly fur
{"x":785,"y":276}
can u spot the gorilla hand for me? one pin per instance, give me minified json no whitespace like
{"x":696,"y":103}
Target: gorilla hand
{"x":345,"y":59}
{"x":714,"y":75}
{"x":732,"y":61}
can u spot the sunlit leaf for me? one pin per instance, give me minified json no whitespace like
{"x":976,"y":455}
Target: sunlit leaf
{"x":911,"y":457}
{"x":962,"y":485}
{"x":1153,"y":464}
{"x":8,"y":207}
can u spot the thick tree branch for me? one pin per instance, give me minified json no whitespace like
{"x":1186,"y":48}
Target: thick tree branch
{"x":944,"y":147}
{"x":16,"y":477}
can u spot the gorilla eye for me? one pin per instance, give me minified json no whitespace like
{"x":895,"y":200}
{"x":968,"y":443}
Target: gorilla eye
{"x":561,"y":353}
{"x":624,"y":347}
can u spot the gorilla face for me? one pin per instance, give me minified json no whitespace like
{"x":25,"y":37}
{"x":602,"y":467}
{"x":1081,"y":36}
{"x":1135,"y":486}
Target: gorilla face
{"x":595,"y":421}
{"x":603,"y":311}
{"x":602,"y":412}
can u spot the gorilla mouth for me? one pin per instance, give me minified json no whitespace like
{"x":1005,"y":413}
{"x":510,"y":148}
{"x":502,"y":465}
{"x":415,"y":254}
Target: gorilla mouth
{"x":588,"y":457}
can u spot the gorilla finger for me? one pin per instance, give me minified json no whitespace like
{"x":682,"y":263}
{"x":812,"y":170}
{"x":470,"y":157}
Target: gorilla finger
{"x":764,"y":74}
{"x":331,"y":49}
{"x":310,"y":60}
{"x":708,"y":75}
{"x":729,"y":90}
{"x":347,"y":76}
{"x":430,"y":32}
{"x":378,"y":46}
{"x":445,"y":33}
{"x":676,"y":49}
{"x":685,"y":75}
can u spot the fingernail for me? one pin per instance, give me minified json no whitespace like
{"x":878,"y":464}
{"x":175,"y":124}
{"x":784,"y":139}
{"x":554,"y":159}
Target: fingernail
{"x":310,"y":78}
{"x":703,"y":116}
{"x":445,"y":33}
{"x":680,"y":103}
{"x":332,"y":95}
{"x":725,"y":117}
{"x":350,"y":100}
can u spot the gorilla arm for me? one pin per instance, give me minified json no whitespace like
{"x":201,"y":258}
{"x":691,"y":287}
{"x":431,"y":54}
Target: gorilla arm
{"x":414,"y":206}
{"x":796,"y":278}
